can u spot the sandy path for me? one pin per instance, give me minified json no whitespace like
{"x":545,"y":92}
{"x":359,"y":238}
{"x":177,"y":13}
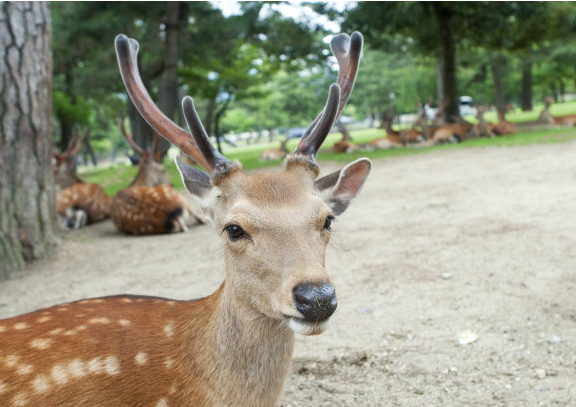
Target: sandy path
{"x":437,"y":244}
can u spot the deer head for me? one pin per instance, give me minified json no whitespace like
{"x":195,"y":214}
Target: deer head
{"x":151,"y":172}
{"x":62,"y":164}
{"x":274,"y":225}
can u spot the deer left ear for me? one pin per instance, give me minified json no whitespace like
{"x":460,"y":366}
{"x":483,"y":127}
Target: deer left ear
{"x":341,"y":187}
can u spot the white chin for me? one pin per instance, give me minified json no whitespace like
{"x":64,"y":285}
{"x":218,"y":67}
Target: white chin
{"x":307,"y":328}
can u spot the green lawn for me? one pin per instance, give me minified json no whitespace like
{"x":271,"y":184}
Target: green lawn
{"x":117,"y":177}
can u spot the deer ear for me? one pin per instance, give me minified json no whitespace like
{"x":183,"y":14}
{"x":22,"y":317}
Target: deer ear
{"x":341,"y":187}
{"x":196,"y":181}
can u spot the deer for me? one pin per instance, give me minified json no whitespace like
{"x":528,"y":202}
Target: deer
{"x":233,"y":347}
{"x":568,"y":120}
{"x":504,"y":127}
{"x":150,"y":204}
{"x":395,"y":138}
{"x":78,"y":203}
{"x":274,"y":153}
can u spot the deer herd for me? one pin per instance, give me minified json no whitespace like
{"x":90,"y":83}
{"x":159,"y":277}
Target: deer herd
{"x":233,"y":347}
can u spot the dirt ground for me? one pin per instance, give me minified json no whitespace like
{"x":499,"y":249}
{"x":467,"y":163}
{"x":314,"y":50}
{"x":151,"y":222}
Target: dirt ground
{"x":472,"y":245}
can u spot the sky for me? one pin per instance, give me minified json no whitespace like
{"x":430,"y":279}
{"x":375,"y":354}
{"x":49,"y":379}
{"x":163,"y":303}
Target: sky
{"x":292,"y":9}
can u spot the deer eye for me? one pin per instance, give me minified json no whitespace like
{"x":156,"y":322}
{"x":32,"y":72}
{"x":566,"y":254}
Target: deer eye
{"x":328,"y":222}
{"x":235,"y":232}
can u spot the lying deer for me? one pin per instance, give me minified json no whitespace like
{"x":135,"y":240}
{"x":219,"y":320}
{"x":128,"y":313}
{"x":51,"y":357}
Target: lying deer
{"x":395,"y":138}
{"x":234,"y":347}
{"x":568,"y":120}
{"x":77,"y":202}
{"x":274,"y":153}
{"x":150,"y":205}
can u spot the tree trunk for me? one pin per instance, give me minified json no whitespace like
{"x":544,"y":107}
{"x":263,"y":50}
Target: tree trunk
{"x":169,"y":80}
{"x":447,"y":62}
{"x":28,"y":221}
{"x":526,"y":102}
{"x":498,"y":89}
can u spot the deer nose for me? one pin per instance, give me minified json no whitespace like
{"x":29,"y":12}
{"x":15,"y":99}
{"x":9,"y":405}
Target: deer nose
{"x":316,"y":302}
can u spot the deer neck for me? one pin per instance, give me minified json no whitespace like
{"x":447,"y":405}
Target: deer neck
{"x":142,"y":177}
{"x":252,"y":352}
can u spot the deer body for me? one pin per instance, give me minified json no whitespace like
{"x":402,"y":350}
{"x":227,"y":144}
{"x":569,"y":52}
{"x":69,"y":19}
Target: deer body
{"x":274,"y":153}
{"x":77,"y":202}
{"x":232,"y":348}
{"x":150,"y":205}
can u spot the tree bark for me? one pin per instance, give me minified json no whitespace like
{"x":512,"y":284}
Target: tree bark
{"x":498,"y":90}
{"x":28,"y":221}
{"x":169,"y":79}
{"x":447,"y":62}
{"x":526,"y":102}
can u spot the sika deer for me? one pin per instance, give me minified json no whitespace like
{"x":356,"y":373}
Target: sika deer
{"x":568,"y":120}
{"x":78,"y":203}
{"x":150,"y":205}
{"x":274,"y":153}
{"x":234,"y":347}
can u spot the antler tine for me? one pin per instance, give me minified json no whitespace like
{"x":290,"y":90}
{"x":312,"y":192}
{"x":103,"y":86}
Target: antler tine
{"x":128,"y":136}
{"x":347,"y":50}
{"x":74,"y":145}
{"x":214,"y":158}
{"x":127,"y":51}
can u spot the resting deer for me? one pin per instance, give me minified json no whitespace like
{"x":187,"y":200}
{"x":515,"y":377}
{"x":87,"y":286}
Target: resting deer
{"x":394,"y":138}
{"x":150,"y":205}
{"x":274,"y":153}
{"x":503,"y":127}
{"x":77,"y":202}
{"x":234,"y":347}
{"x":568,"y":120}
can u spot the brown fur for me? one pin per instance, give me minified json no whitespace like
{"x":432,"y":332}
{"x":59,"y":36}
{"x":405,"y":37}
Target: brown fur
{"x":90,"y":198}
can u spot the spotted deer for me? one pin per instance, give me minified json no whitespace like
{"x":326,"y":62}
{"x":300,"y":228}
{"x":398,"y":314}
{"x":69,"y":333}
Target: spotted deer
{"x":234,"y":347}
{"x":150,"y":205}
{"x":568,"y":120}
{"x":78,"y":203}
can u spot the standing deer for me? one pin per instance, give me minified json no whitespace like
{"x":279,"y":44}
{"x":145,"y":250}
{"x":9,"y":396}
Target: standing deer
{"x":77,"y":202}
{"x":234,"y":347}
{"x":568,"y":120}
{"x":150,"y":205}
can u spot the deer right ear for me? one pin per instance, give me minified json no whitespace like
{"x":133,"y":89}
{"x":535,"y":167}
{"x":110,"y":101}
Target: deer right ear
{"x":196,"y":181}
{"x":341,"y":187}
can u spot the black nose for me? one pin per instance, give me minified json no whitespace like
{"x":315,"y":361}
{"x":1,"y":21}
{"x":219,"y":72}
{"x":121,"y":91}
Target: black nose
{"x":316,"y":302}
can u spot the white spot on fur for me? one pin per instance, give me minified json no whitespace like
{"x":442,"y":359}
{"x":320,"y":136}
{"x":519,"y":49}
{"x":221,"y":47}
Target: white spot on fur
{"x":168,"y":363}
{"x":20,"y":400}
{"x":81,"y":328}
{"x":21,"y":325}
{"x":40,"y":343}
{"x":56,"y":331}
{"x":69,"y":333}
{"x":59,"y":374}
{"x":24,"y":369}
{"x":169,"y":330}
{"x":99,"y":321}
{"x":3,"y":329}
{"x":41,"y":384}
{"x":124,"y":322}
{"x":141,"y":358}
{"x":126,"y":300}
{"x":11,"y":360}
{"x":77,"y":368}
{"x":112,"y":365}
{"x":96,"y":366}
{"x":44,"y":319}
{"x":62,"y":309}
{"x":163,"y":402}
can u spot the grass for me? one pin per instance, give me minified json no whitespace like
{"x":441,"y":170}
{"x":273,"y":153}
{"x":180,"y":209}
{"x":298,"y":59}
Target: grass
{"x":119,"y":176}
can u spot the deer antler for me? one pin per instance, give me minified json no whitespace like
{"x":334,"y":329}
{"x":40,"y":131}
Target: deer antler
{"x":127,"y":51}
{"x":74,"y":145}
{"x":347,"y":50}
{"x":128,"y":136}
